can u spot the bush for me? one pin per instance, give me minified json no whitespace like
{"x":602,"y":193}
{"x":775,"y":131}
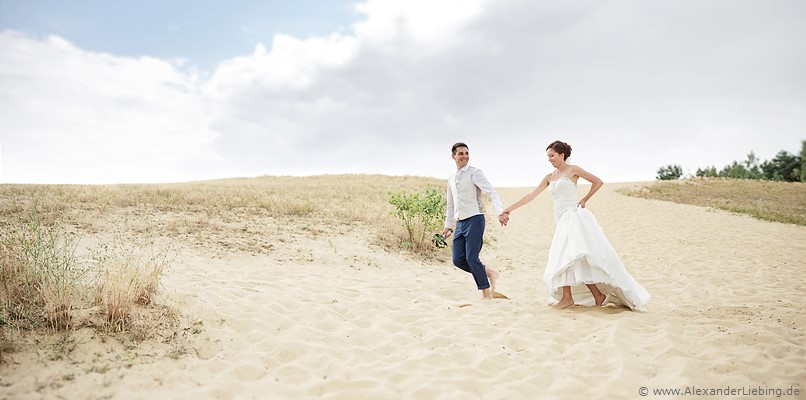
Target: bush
{"x":40,"y":277}
{"x":42,"y":282}
{"x":669,"y":172}
{"x":708,"y":172}
{"x":422,"y":214}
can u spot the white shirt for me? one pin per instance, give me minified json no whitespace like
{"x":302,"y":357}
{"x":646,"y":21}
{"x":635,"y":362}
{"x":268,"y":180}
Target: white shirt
{"x":464,"y":195}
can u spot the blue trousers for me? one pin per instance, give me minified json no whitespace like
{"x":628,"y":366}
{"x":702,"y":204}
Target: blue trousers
{"x":467,"y":242}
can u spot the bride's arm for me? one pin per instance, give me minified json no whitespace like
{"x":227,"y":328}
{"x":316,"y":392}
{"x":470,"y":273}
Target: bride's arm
{"x":529,"y":197}
{"x":596,"y":183}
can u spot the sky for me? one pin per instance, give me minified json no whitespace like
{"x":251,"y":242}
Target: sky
{"x":101,"y":92}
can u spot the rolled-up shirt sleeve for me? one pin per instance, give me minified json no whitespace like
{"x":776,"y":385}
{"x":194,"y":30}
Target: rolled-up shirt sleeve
{"x":481,"y":182}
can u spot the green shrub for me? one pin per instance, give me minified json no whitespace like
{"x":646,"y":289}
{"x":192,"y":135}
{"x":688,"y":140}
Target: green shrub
{"x":708,"y":172}
{"x":669,"y":172}
{"x":422,"y":214}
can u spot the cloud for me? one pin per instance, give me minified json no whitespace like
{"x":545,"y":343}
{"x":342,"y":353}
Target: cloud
{"x":632,"y":85}
{"x":429,"y":24}
{"x":69,"y":115}
{"x":335,"y":104}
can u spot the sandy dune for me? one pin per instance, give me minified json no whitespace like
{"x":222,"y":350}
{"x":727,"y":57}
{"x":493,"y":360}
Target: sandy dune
{"x":333,"y":317}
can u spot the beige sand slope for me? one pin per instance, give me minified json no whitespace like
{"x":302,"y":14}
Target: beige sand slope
{"x":331,"y":317}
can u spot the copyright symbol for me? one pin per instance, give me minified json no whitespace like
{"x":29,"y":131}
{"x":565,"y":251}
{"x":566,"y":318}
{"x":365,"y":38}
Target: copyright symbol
{"x":643,"y":391}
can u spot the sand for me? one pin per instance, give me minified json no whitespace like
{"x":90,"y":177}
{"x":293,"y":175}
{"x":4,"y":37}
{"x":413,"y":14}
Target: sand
{"x":332,"y":317}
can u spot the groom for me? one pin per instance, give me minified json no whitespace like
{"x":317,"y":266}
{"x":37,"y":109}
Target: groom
{"x":466,"y":208}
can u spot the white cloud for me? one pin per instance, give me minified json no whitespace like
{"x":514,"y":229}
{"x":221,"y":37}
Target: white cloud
{"x":632,"y":85}
{"x":426,"y":22}
{"x":291,"y":64}
{"x":74,"y":116}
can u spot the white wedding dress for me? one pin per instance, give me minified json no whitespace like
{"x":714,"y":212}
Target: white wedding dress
{"x":581,"y":254}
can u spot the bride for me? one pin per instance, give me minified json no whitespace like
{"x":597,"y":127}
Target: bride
{"x":582,"y":263}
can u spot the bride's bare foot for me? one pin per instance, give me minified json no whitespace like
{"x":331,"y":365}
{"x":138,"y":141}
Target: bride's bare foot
{"x":492,"y":275}
{"x":564,"y":303}
{"x":600,"y":301}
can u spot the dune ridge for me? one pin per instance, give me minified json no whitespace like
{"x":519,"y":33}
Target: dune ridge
{"x":329,"y":312}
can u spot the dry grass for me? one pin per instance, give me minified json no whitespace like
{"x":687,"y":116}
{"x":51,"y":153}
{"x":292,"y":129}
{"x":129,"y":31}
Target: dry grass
{"x":40,"y":276}
{"x":340,"y":198}
{"x":42,"y":281}
{"x":247,"y":215}
{"x":232,"y":215}
{"x":115,"y":289}
{"x":771,"y":201}
{"x":128,"y":274}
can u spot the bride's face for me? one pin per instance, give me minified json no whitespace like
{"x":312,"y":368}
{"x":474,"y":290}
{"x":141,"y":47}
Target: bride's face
{"x":555,"y":158}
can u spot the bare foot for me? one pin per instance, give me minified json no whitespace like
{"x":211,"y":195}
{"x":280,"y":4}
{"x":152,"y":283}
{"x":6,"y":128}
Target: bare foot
{"x":497,"y":295}
{"x":486,"y":294}
{"x":564,"y":303}
{"x":493,"y":276}
{"x":600,"y":301}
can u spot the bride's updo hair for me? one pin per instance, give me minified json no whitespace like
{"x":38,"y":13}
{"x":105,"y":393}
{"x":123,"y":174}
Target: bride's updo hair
{"x":561,"y":148}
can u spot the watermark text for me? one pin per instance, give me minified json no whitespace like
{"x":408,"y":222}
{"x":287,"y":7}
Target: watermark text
{"x":749,"y":391}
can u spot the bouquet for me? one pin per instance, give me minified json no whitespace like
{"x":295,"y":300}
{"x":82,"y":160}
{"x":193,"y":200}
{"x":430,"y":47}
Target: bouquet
{"x":439,"y":240}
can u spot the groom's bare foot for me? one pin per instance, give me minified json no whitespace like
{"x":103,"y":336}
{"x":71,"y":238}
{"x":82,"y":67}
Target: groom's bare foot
{"x":486,"y":294}
{"x":492,"y":275}
{"x":564,"y":303}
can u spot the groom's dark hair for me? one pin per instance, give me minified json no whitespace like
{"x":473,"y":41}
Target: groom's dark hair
{"x":458,"y":145}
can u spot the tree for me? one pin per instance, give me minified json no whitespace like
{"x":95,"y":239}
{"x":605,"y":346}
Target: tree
{"x":803,"y":162}
{"x":734,"y":170}
{"x":708,"y":172}
{"x":669,"y":172}
{"x":784,"y":167}
{"x":749,"y":169}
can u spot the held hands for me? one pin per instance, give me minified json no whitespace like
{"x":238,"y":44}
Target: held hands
{"x":503,"y":218}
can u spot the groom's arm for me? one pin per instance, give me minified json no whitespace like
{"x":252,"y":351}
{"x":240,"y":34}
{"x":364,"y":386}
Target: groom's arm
{"x":449,"y":210}
{"x":481,"y":182}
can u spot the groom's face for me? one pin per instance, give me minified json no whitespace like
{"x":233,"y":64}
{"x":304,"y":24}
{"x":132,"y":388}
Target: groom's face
{"x":461,"y":156}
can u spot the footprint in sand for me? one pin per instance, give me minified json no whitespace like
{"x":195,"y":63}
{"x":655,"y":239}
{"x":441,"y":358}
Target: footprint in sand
{"x":496,"y":295}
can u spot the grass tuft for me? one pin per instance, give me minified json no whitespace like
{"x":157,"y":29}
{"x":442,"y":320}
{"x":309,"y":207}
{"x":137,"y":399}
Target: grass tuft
{"x":128,"y":275}
{"x":40,"y":276}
